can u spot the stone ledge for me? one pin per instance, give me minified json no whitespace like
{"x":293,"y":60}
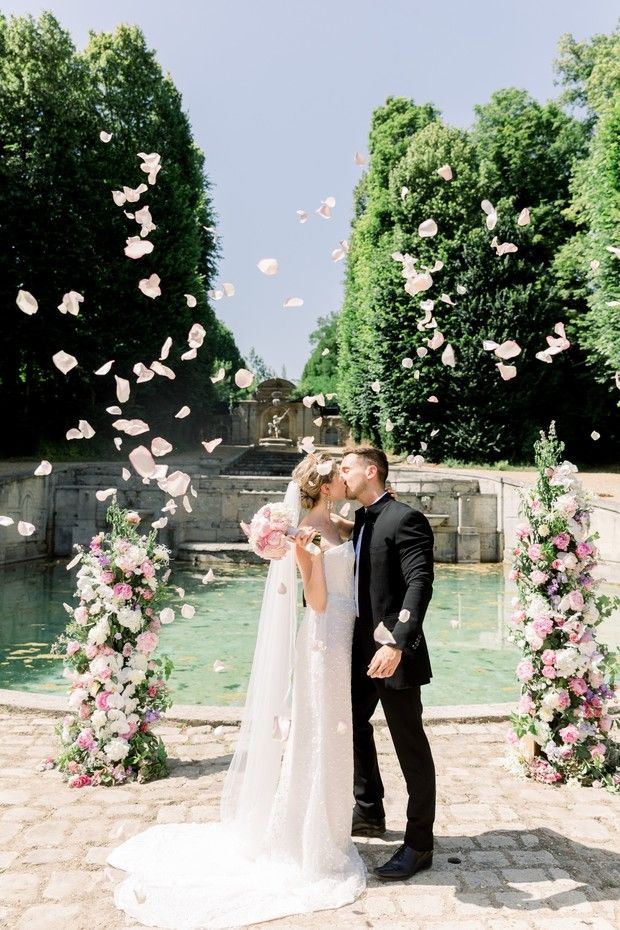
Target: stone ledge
{"x":199,"y":714}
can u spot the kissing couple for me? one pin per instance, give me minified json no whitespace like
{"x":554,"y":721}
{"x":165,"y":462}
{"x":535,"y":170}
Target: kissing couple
{"x":283,"y":844}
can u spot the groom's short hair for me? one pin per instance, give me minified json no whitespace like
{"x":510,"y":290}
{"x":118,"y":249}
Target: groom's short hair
{"x":373,"y":456}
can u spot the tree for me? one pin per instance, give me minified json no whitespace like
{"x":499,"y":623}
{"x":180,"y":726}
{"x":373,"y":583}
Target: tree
{"x":320,"y":372}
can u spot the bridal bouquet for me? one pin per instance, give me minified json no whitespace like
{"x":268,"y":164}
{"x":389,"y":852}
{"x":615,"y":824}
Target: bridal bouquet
{"x":118,"y":690}
{"x":567,"y":676}
{"x":270,"y":529}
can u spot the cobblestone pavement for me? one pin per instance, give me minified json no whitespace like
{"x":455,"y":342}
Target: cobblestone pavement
{"x":532,"y":856}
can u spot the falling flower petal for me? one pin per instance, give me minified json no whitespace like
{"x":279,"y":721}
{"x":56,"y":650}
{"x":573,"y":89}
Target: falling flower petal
{"x":324,"y":211}
{"x":460,"y":289}
{"x":489,"y":346}
{"x":445,"y":172}
{"x":183,"y":412}
{"x":446,"y":299}
{"x":403,"y":192}
{"x":508,"y":349}
{"x":382,"y":635}
{"x":137,"y":247}
{"x":507,"y":371}
{"x":594,"y":435}
{"x":243,"y":378}
{"x":491,"y":220}
{"x":160,"y":446}
{"x":487,"y":207}
{"x":143,"y":373}
{"x":208,"y":577}
{"x":71,"y":303}
{"x":436,"y":341}
{"x":218,"y":666}
{"x":162,"y":370}
{"x":86,"y":429}
{"x":133,"y":194}
{"x":215,"y":295}
{"x":25,"y":529}
{"x":293,"y":302}
{"x":176,"y":484}
{"x":74,"y":561}
{"x":103,"y":495}
{"x":447,"y":356}
{"x":524,"y":217}
{"x":142,"y":461}
{"x":190,"y":354}
{"x":407,"y":363}
{"x":359,"y":158}
{"x":211,"y":444}
{"x":150,"y":286}
{"x":125,"y":473}
{"x":220,"y":374}
{"x":427,"y":228}
{"x":420,"y":282}
{"x":595,"y":264}
{"x":421,"y":351}
{"x":318,"y":421}
{"x":302,"y":216}
{"x":165,"y":349}
{"x":119,"y":198}
{"x":338,"y":254}
{"x":229,"y":289}
{"x":375,"y":386}
{"x":325,"y":351}
{"x":404,"y":615}
{"x":190,"y":299}
{"x":26,"y":302}
{"x":324,"y":468}
{"x":64,"y":362}
{"x":105,"y":368}
{"x":74,"y":434}
{"x":105,"y":136}
{"x":389,"y":426}
{"x":433,"y":400}
{"x":122,"y":389}
{"x":43,"y":469}
{"x":614,"y":250}
{"x":268,"y":266}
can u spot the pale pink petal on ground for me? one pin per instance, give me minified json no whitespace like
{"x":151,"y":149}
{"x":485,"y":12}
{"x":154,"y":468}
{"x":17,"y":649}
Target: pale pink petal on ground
{"x":183,"y":412}
{"x":105,"y":368}
{"x":291,"y":302}
{"x":221,"y":373}
{"x":211,"y":444}
{"x":142,"y":461}
{"x":445,"y":172}
{"x":103,"y":495}
{"x":160,"y":446}
{"x":268,"y":266}
{"x":25,"y":529}
{"x":243,"y":378}
{"x":64,"y":362}
{"x":43,"y":469}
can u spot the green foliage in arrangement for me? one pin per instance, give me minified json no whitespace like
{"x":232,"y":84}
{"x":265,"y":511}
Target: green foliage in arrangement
{"x":60,"y":230}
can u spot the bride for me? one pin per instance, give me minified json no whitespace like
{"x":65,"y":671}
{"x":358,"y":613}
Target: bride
{"x":283,"y":844}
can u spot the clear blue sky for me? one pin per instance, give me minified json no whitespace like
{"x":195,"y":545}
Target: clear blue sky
{"x":280,"y":93}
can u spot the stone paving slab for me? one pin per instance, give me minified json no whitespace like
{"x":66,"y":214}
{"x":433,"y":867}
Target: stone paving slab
{"x":532,"y":856}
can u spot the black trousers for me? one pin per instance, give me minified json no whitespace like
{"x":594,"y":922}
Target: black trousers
{"x":403,"y":714}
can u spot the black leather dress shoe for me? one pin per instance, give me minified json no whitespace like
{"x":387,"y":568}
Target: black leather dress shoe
{"x":404,"y":863}
{"x":363,"y":826}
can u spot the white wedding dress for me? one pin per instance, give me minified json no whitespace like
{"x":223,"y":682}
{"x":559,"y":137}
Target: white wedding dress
{"x":299,"y":856}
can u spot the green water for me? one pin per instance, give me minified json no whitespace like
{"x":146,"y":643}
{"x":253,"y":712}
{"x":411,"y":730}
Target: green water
{"x":473,"y":662}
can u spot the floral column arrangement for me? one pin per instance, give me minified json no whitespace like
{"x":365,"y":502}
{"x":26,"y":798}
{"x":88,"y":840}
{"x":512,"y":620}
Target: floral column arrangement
{"x":118,"y":689}
{"x":567,"y":677}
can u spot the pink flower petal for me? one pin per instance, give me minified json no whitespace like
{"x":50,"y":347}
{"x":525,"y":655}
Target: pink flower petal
{"x":105,"y":136}
{"x":229,"y":289}
{"x":359,"y":159}
{"x":6,"y":521}
{"x":407,"y":363}
{"x":142,"y":372}
{"x":25,"y":529}
{"x":291,"y":302}
{"x":420,"y":282}
{"x":118,"y":442}
{"x":162,"y":370}
{"x":142,"y":461}
{"x":524,"y":217}
{"x":433,"y":399}
{"x":243,"y":378}
{"x":43,"y":469}
{"x":196,"y":336}
{"x":221,"y":373}
{"x":375,"y":386}
{"x":71,"y":303}
{"x":506,"y":371}
{"x":104,"y":370}
{"x":508,"y":349}
{"x":165,"y":349}
{"x":183,"y":412}
{"x":594,"y":435}
{"x":447,"y":356}
{"x":150,"y":286}
{"x":427,"y":228}
{"x":122,"y":389}
{"x":26,"y":302}
{"x":86,"y":429}
{"x":160,"y":446}
{"x":119,"y":198}
{"x":445,"y":172}
{"x":302,"y":216}
{"x":137,"y":247}
{"x":190,"y":354}
{"x":64,"y":362}
{"x":268,"y":266}
{"x":74,"y":434}
{"x":191,"y":300}
{"x":103,"y":495}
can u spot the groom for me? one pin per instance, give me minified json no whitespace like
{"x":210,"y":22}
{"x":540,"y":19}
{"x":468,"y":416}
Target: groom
{"x":393,"y":586}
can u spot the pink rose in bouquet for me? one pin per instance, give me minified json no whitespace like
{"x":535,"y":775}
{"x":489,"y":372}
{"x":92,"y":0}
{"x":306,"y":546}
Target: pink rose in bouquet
{"x":269,"y":529}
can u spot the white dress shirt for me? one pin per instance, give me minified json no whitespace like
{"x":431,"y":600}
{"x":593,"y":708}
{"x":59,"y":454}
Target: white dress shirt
{"x":358,"y":548}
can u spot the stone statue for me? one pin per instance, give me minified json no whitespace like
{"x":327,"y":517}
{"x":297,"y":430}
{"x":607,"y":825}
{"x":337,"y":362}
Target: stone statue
{"x":273,"y":427}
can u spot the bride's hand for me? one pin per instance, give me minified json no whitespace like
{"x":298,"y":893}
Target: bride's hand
{"x":305,"y":534}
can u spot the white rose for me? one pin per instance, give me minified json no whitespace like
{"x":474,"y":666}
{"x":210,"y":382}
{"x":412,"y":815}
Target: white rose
{"x":98,"y":719}
{"x":77,"y":697}
{"x":116,"y":749}
{"x":99,"y":633}
{"x":543,"y":530}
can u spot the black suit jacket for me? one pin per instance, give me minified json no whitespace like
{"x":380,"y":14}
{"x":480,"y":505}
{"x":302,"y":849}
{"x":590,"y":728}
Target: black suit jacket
{"x":394,"y":573}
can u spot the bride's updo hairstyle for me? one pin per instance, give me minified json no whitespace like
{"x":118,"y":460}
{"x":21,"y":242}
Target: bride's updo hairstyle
{"x":308,"y":478}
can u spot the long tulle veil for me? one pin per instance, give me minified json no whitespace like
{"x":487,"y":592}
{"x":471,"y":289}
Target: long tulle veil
{"x":252,"y":779}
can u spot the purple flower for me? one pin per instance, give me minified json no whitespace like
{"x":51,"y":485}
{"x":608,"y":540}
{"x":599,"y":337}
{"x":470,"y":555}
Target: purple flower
{"x":152,"y":715}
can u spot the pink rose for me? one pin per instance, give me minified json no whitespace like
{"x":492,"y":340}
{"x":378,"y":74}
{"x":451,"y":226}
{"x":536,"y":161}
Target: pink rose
{"x":104,"y":674}
{"x":155,"y":625}
{"x":577,"y":685}
{"x":576,"y":601}
{"x":147,"y":641}
{"x":147,"y":569}
{"x":548,"y":657}
{"x":563,"y":699}
{"x":605,"y":724}
{"x":80,"y":615}
{"x":583,"y":550}
{"x":72,"y":647}
{"x":537,"y":577}
{"x":127,"y":650}
{"x":513,"y":574}
{"x":598,"y":751}
{"x":107,"y":577}
{"x":527,"y":705}
{"x":525,"y":670}
{"x":101,"y":700}
{"x":91,"y":651}
{"x":85,"y":739}
{"x":133,"y":518}
{"x":556,"y":564}
{"x":133,"y":728}
{"x":123,"y":590}
{"x":80,"y":781}
{"x":522,"y":530}
{"x":561,"y":541}
{"x":518,"y":616}
{"x":542,"y":626}
{"x":84,"y":712}
{"x":549,"y":671}
{"x":569,"y":734}
{"x":535,"y":552}
{"x":147,"y":595}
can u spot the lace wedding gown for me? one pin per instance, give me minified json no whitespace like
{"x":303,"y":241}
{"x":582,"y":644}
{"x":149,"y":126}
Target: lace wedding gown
{"x":188,"y":876}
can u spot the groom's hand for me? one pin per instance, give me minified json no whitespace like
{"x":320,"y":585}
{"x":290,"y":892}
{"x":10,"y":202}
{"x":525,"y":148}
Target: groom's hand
{"x":384,"y":662}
